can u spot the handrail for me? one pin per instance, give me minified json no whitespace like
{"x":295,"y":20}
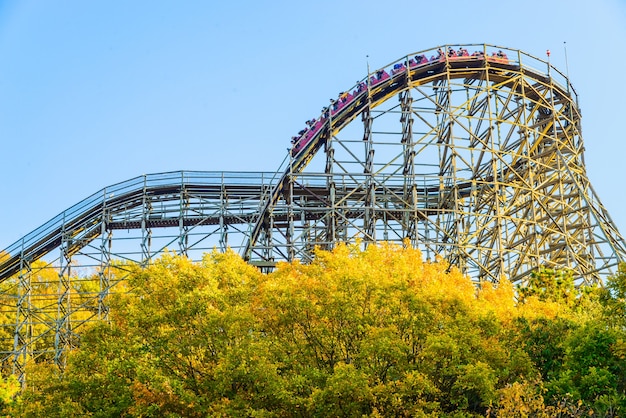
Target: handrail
{"x":27,"y":246}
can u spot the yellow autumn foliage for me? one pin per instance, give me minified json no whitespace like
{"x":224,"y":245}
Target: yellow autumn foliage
{"x":373,"y":331}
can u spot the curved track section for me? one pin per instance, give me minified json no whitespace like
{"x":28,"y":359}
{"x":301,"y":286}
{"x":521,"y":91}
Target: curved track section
{"x":182,"y":200}
{"x":475,"y":155}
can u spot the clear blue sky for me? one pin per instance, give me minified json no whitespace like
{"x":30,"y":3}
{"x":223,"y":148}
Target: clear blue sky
{"x":96,"y":92}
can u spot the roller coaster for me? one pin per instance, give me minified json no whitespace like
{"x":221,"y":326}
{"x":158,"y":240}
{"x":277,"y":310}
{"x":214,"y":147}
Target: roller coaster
{"x":474,"y":157}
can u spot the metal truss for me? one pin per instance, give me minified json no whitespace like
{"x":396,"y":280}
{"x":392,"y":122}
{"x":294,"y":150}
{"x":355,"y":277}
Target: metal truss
{"x":474,"y":158}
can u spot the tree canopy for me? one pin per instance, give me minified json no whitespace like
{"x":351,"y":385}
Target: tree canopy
{"x":374,"y":332}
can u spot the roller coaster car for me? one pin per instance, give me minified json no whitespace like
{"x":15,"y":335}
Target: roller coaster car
{"x":359,"y":89}
{"x":419,"y":60}
{"x":457,"y":56}
{"x":463,"y":58}
{"x":307,"y":136}
{"x":379,"y":78}
{"x":502,"y":58}
{"x":397,"y":69}
{"x":344,"y":100}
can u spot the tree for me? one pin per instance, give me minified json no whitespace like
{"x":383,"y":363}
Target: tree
{"x":373,"y":332}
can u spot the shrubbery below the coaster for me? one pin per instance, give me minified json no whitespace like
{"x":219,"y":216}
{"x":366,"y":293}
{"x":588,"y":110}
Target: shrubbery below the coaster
{"x":374,"y":332}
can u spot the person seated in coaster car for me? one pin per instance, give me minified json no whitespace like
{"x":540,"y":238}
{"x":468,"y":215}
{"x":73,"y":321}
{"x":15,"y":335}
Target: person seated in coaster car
{"x":360,"y":87}
{"x":418,"y":60}
{"x":499,"y":57}
{"x":381,"y":75}
{"x":398,"y":68}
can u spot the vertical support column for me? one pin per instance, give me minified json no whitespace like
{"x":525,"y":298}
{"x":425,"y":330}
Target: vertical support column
{"x":306,"y":237}
{"x":223,"y":224}
{"x":426,"y":223}
{"x":22,"y":339}
{"x":183,"y":230}
{"x":267,"y":243}
{"x":264,"y":244}
{"x":63,"y":329}
{"x":446,"y":218}
{"x":561,"y":164}
{"x":531,"y":229}
{"x":585,"y":232}
{"x":146,"y":232}
{"x":104,"y":274}
{"x":330,"y":234}
{"x":290,"y":215}
{"x":438,"y":204}
{"x":410,"y":212}
{"x":496,"y":263}
{"x":369,"y":218}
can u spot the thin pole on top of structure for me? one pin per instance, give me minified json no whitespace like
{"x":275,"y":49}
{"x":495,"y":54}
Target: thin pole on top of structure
{"x":367,"y":62}
{"x":566,"y":65}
